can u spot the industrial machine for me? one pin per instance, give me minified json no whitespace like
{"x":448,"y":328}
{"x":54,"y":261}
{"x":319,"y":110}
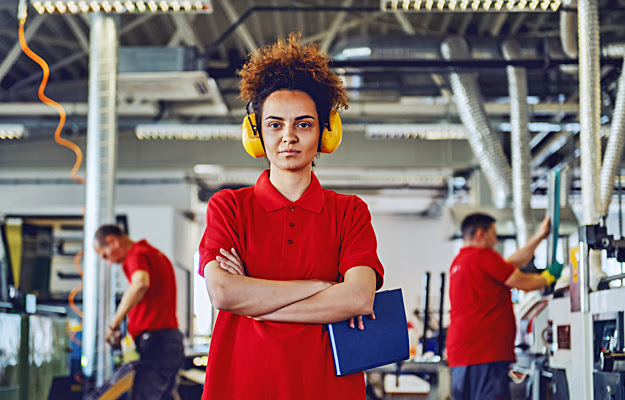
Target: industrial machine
{"x":571,"y":344}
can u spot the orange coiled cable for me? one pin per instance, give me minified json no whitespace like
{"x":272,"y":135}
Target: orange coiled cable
{"x":63,"y":142}
{"x":73,"y":293}
{"x":57,"y":134}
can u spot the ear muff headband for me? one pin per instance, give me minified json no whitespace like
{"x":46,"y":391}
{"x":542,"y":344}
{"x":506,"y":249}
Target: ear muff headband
{"x":252,"y":142}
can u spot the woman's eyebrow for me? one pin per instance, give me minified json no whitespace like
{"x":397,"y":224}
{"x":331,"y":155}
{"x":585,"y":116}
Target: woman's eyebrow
{"x":297,"y":118}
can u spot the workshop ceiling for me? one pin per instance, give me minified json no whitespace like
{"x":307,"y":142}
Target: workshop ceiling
{"x":399,"y":80}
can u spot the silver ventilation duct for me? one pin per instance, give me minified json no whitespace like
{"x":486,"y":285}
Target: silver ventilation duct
{"x":519,"y":144}
{"x":101,"y":149}
{"x":614,"y":148}
{"x":590,"y":108}
{"x":568,"y":29}
{"x":590,"y":160}
{"x":482,"y":137}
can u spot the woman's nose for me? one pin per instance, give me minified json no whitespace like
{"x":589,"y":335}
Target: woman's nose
{"x":289,"y":134}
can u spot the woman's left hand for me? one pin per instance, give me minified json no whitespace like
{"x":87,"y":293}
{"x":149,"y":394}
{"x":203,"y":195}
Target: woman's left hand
{"x":231,"y":262}
{"x":361,"y":324}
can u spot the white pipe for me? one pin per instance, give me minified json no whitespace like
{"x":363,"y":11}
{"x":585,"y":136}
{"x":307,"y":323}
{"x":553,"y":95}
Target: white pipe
{"x":590,"y":153}
{"x":482,"y":138}
{"x":613,"y":150}
{"x":519,"y":144}
{"x":101,"y":149}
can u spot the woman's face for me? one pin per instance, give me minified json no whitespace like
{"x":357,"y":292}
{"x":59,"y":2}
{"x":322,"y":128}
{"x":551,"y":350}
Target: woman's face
{"x":290,"y":129}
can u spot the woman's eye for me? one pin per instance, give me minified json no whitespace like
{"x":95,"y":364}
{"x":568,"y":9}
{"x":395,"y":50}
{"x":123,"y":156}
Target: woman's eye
{"x":274,"y":125}
{"x":305,"y":125}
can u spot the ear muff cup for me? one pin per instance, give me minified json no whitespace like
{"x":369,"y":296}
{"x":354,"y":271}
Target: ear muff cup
{"x":330,"y":138}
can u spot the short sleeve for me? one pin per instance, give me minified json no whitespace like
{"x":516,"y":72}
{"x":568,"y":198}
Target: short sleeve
{"x":220,"y":229}
{"x":136,"y":260}
{"x":494,"y":266}
{"x":359,"y":245}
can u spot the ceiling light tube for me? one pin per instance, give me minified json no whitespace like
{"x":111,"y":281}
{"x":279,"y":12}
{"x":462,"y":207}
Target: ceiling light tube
{"x":12,"y":131}
{"x":121,"y":6}
{"x":475,"y":6}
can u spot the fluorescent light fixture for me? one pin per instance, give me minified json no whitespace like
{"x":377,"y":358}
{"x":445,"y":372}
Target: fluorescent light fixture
{"x":356,"y":52}
{"x":121,"y":6}
{"x":476,"y":6}
{"x":12,"y":131}
{"x":189,"y":131}
{"x":416,"y":131}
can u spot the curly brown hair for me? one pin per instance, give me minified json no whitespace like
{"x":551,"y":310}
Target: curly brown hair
{"x":286,"y":65}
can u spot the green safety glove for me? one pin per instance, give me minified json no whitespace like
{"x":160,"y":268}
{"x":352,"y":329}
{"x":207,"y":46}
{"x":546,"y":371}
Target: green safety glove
{"x":553,"y":272}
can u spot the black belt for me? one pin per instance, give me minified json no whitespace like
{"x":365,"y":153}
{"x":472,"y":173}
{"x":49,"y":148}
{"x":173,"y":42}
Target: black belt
{"x":146,"y":335}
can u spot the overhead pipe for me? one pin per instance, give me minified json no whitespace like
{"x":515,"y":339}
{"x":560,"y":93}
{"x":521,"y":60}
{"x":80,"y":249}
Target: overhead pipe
{"x":482,"y":138}
{"x":101,"y":149}
{"x":568,"y":28}
{"x":614,"y":148}
{"x":590,"y":154}
{"x":519,"y":145}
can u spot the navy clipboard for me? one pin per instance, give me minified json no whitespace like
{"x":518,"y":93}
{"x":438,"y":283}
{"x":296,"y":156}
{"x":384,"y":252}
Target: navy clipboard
{"x":383,"y":341}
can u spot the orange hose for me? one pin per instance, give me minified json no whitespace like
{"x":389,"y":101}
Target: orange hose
{"x":63,"y":142}
{"x":77,"y":258}
{"x":57,"y":134}
{"x":72,"y":336}
{"x":72,"y":295}
{"x":74,"y":292}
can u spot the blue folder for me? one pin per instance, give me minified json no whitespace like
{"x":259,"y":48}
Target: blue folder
{"x":383,"y":341}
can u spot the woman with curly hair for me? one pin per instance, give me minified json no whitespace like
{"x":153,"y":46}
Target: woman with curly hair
{"x":285,"y":257}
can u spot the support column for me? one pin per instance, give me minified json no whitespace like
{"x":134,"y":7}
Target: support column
{"x":101,"y":151}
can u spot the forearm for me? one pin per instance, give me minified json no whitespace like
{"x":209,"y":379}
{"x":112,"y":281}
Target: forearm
{"x":252,"y":296}
{"x":522,"y":256}
{"x":527,"y":282}
{"x":532,"y":282}
{"x":338,"y":303}
{"x":130,"y":298}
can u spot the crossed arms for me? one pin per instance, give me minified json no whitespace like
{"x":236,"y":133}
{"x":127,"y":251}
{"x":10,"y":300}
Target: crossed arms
{"x":299,"y":301}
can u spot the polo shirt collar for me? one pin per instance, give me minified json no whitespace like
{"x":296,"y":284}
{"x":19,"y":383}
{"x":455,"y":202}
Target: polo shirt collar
{"x":272,"y":200}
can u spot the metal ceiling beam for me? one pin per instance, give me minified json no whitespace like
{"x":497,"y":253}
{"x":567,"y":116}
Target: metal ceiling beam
{"x":16,"y":50}
{"x":517,"y":23}
{"x":446,"y":21}
{"x":406,"y":26}
{"x":242,"y":31}
{"x":12,"y":34}
{"x":497,"y":23}
{"x":54,"y":67}
{"x":334,"y":28}
{"x":414,"y":107}
{"x":277,"y":20}
{"x":345,"y":27}
{"x":78,"y":32}
{"x":465,"y":23}
{"x":184,"y":28}
{"x":139,"y":21}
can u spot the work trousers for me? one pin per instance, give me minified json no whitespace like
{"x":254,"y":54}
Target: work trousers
{"x":487,"y":381}
{"x":160,"y":357}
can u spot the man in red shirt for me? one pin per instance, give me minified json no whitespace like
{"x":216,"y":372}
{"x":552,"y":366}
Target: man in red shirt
{"x":480,"y":339}
{"x":150,"y":303}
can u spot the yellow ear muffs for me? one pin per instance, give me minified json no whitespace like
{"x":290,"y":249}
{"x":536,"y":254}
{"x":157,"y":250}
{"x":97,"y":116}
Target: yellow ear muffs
{"x":332,"y":134}
{"x":330,"y":138}
{"x":251,"y":138}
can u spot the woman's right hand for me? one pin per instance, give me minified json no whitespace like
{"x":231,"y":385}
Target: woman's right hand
{"x":231,"y":262}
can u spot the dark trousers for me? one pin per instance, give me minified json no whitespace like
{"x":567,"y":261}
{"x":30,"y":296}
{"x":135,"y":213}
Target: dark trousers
{"x":488,"y":381}
{"x":160,"y":357}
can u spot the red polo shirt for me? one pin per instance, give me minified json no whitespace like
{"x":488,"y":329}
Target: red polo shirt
{"x":482,"y":325}
{"x":157,"y":308}
{"x":319,"y":236}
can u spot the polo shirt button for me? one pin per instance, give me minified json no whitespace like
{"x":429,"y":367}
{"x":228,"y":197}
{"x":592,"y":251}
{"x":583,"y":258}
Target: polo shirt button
{"x":289,"y":241}
{"x":291,"y":224}
{"x":292,"y":208}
